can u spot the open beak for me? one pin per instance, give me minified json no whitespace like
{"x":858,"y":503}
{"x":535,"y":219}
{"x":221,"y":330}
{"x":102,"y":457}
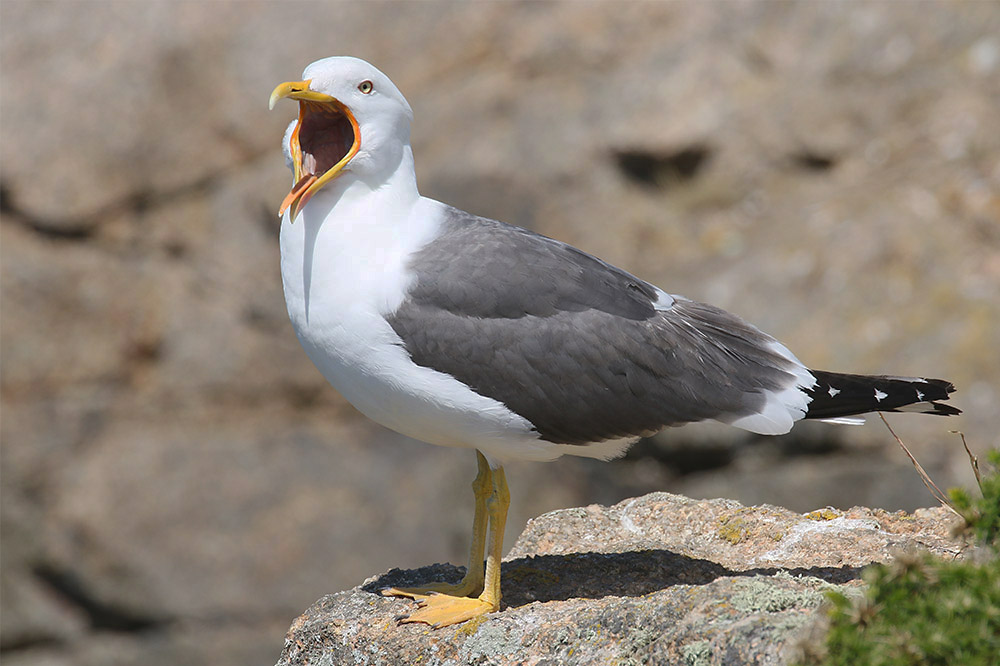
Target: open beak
{"x":324,"y":140}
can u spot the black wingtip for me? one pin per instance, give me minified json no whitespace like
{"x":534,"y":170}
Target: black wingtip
{"x":837,"y":395}
{"x":942,"y":384}
{"x":944,"y":410}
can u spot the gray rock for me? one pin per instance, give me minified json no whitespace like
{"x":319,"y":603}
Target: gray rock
{"x":659,"y":579}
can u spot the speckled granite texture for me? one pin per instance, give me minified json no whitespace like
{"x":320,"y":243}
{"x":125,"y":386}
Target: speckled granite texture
{"x":660,"y":579}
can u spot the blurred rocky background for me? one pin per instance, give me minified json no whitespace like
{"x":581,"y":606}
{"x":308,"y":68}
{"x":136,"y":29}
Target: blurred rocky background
{"x":178,"y":482}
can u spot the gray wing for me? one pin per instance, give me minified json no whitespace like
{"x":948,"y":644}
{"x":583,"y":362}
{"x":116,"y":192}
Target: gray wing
{"x":573,"y":344}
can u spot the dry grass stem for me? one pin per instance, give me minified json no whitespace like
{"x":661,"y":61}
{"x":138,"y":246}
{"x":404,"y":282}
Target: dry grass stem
{"x":973,"y":458}
{"x":931,"y":486}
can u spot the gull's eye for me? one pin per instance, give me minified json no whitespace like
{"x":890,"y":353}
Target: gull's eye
{"x":366,"y":87}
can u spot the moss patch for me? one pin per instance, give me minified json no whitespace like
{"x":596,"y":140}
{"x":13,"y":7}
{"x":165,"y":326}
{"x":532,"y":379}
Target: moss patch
{"x":733,"y":529}
{"x":823,"y":514}
{"x":750,"y":522}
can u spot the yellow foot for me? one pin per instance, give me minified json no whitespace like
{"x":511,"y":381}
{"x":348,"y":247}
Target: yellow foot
{"x":441,"y":610}
{"x":461,"y":589}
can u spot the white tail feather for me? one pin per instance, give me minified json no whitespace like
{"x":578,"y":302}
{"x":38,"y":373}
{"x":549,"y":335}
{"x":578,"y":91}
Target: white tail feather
{"x":845,"y":420}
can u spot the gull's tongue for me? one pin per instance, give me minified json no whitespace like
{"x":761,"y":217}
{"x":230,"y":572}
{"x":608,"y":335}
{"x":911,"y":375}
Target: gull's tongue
{"x":297,"y":191}
{"x":309,"y":163}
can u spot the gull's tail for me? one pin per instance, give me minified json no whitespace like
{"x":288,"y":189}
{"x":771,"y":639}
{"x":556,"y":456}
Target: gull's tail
{"x":838,"y":395}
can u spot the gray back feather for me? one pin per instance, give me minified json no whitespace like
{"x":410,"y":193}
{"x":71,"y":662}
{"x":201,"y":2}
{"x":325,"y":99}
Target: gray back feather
{"x":573,"y":344}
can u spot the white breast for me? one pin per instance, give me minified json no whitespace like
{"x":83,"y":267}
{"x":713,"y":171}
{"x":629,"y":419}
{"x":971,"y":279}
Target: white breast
{"x":342,"y":273}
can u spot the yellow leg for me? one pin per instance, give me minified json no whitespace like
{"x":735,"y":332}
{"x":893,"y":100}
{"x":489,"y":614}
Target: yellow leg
{"x":497,"y":506}
{"x":441,"y":610}
{"x":472,"y":583}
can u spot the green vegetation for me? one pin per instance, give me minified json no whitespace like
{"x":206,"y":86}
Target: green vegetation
{"x":925,"y":610}
{"x":982,"y":516}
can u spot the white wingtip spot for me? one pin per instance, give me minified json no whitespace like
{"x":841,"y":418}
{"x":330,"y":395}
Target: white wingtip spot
{"x":880,"y":396}
{"x":833,"y":391}
{"x":920,"y":396}
{"x":664,"y":301}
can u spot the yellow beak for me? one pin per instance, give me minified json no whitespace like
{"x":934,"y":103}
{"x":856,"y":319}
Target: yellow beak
{"x":297,"y":90}
{"x":307,"y":183}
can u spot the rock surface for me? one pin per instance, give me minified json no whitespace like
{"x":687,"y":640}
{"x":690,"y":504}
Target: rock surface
{"x":659,"y":579}
{"x":176,"y":479}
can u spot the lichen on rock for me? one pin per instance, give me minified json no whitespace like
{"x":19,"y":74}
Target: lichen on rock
{"x":664,"y":588}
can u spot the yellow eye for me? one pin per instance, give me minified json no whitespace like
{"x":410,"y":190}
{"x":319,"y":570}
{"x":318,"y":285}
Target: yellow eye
{"x":366,"y":87}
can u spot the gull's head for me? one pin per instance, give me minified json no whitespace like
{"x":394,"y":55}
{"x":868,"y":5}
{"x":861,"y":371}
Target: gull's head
{"x":352,"y":119}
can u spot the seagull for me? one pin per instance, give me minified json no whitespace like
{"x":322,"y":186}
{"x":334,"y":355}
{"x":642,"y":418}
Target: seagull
{"x":463,"y":331}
